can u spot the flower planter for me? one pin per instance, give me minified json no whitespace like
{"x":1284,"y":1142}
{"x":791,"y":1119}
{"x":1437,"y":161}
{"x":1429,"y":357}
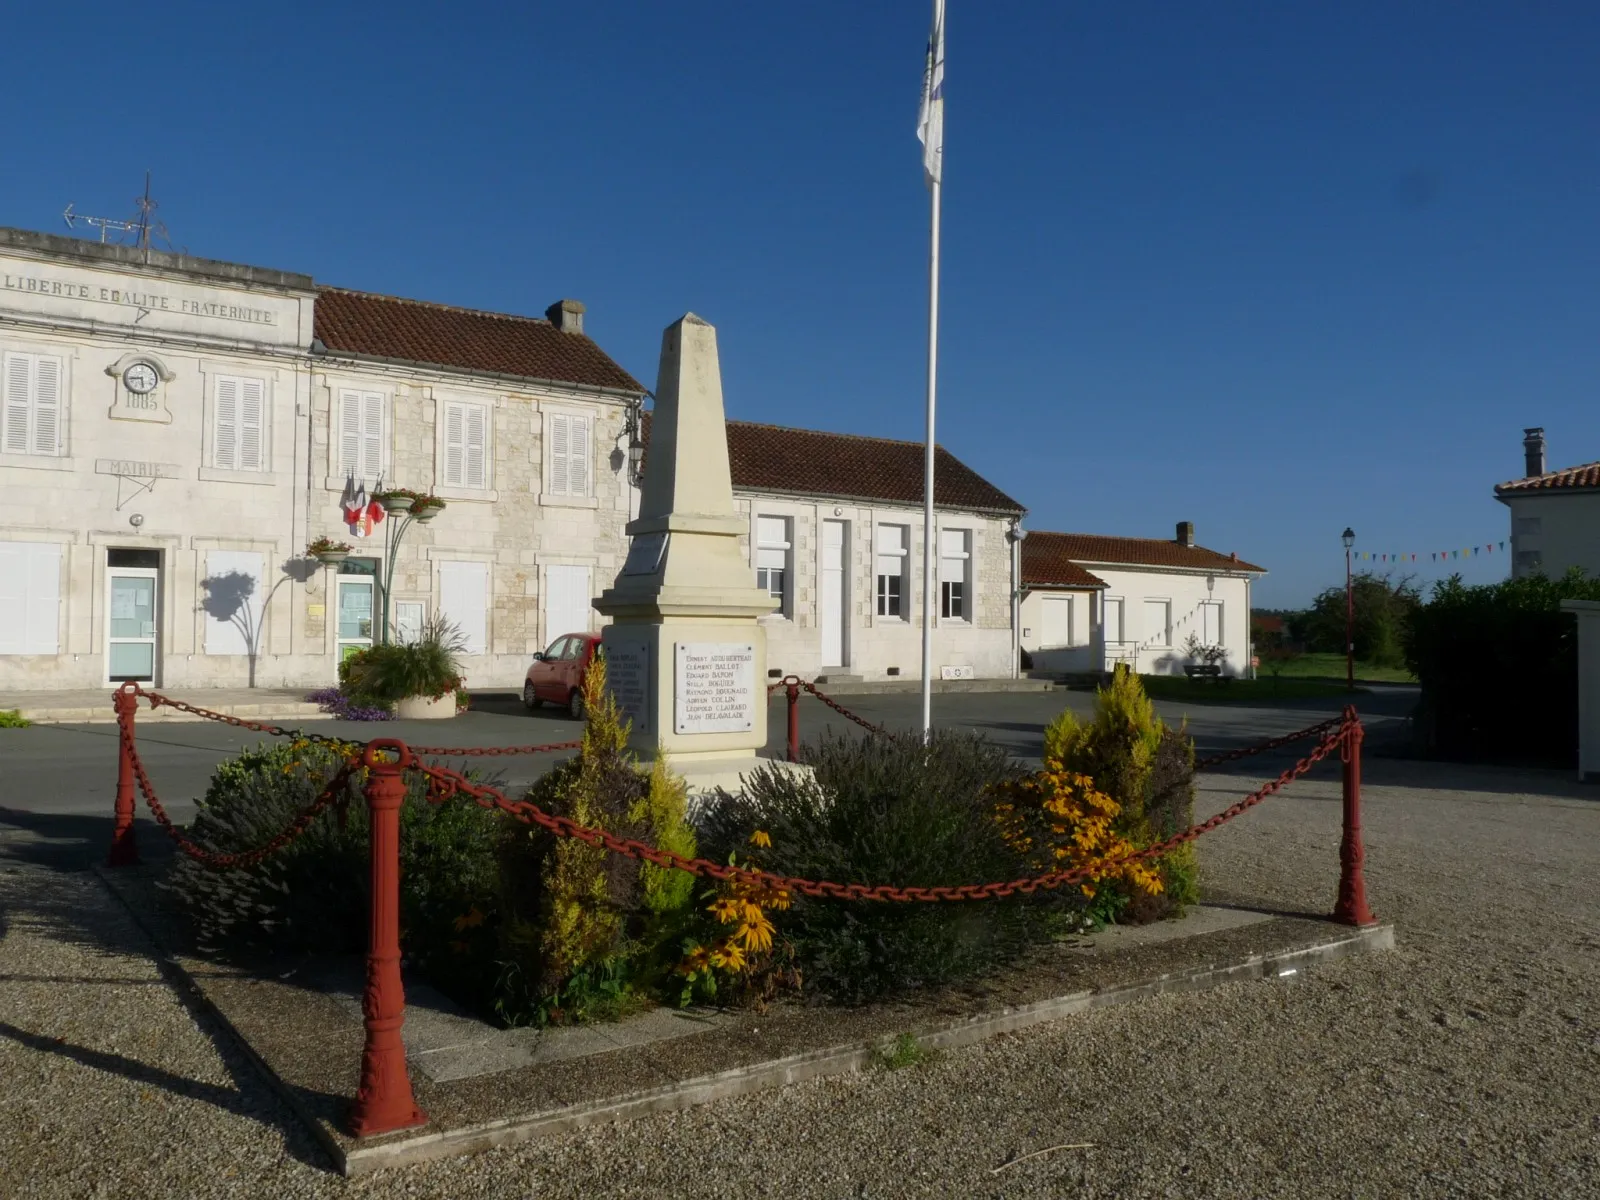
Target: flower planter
{"x":395,"y":504}
{"x":331,"y":558}
{"x":427,"y":513}
{"x":425,"y":708}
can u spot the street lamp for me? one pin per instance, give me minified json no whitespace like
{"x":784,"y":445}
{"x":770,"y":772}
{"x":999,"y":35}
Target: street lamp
{"x":1349,"y":538}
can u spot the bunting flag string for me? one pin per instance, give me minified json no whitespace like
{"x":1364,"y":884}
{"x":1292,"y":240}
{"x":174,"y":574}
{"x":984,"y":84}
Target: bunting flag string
{"x":1430,"y":555}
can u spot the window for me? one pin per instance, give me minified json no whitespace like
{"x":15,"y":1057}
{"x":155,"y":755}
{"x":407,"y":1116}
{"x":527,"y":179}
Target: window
{"x":361,"y":435}
{"x":1211,"y":622}
{"x":954,"y":558}
{"x":1111,"y":619}
{"x":1529,"y":526}
{"x":1158,"y":623}
{"x":32,"y":389}
{"x":238,"y":419}
{"x":570,"y":453}
{"x":234,"y":602}
{"x":772,"y":558}
{"x":891,"y":571}
{"x":464,"y":600}
{"x":1529,"y":560}
{"x":466,"y":445}
{"x":30,"y":586}
{"x":1055,"y":622}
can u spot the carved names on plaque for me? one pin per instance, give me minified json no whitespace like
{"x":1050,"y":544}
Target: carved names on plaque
{"x":714,"y":687}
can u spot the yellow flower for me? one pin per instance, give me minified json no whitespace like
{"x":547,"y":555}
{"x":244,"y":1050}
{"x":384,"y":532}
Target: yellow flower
{"x":761,"y":838}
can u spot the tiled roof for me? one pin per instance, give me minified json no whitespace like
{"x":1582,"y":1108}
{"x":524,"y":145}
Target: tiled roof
{"x":1046,"y":565}
{"x":1573,"y":478}
{"x":775,"y":458}
{"x":1048,"y":548}
{"x":416,"y":331}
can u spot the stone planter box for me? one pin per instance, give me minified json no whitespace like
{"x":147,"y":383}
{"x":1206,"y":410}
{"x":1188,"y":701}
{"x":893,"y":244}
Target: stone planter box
{"x":421,"y":708}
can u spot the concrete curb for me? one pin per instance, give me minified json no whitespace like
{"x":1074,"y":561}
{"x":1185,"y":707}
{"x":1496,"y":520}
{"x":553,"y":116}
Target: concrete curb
{"x":403,"y":1150}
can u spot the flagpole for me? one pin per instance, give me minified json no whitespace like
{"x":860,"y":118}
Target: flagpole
{"x":928,"y":531}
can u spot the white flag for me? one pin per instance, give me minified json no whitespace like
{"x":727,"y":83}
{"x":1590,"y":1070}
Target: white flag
{"x":930,"y":120}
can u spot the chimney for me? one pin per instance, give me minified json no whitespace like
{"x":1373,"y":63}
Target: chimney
{"x":1533,"y":451}
{"x":566,"y":315}
{"x":1185,"y":534}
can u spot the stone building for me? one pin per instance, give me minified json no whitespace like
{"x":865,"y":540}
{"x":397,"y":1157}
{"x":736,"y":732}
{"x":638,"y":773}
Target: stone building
{"x":175,"y":431}
{"x":1090,"y":602}
{"x":835,"y":535}
{"x":1555,"y":515}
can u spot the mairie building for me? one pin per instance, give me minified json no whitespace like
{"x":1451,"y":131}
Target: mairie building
{"x":176,"y":431}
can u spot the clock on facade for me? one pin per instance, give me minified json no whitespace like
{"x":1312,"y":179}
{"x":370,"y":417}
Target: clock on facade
{"x":140,"y":378}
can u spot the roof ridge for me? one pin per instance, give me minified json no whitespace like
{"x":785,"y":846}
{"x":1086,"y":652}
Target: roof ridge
{"x":1547,"y":475}
{"x":434,"y":304}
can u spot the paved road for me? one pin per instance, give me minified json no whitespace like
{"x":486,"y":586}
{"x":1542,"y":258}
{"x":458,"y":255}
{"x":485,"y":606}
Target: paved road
{"x":71,"y":770}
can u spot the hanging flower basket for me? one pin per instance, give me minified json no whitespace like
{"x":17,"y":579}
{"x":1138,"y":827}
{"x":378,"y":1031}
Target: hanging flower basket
{"x":328,"y":552}
{"x":426,"y":508}
{"x":395,"y":500}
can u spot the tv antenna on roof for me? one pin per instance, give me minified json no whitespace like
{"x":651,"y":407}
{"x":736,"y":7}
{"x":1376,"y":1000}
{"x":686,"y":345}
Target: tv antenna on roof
{"x":142,"y":227}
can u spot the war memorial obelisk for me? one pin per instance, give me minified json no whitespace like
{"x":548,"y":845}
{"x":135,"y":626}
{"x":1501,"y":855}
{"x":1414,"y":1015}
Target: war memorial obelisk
{"x":686,"y":657}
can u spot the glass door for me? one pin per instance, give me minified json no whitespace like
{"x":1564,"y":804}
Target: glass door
{"x":357,"y":594}
{"x":131,"y":624}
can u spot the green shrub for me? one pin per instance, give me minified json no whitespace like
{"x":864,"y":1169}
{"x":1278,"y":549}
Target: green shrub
{"x":1147,"y":767}
{"x":389,"y":672}
{"x":885,"y":810}
{"x":1382,"y":607}
{"x":312,"y":896}
{"x":1498,"y":668}
{"x":588,"y":932}
{"x":12,"y":718}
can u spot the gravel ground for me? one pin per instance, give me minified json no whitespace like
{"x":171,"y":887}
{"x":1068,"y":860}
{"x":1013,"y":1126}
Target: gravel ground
{"x":1463,"y":1064}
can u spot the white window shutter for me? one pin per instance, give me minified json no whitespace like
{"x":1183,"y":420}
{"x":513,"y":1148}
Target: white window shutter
{"x":476,"y":445}
{"x":560,"y":425}
{"x":455,"y":437}
{"x":578,"y":458}
{"x":19,"y":403}
{"x":46,"y":405}
{"x":349,"y":433}
{"x":30,"y":597}
{"x":226,"y":440}
{"x":371,"y":435}
{"x":252,"y":421}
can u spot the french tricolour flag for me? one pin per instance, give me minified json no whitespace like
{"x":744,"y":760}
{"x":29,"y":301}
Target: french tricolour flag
{"x":930,"y":119}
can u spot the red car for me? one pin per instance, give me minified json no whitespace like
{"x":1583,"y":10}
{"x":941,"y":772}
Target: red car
{"x":557,"y":675}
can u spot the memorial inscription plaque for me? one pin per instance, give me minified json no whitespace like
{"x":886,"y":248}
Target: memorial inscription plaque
{"x":714,"y":687}
{"x":628,"y":678}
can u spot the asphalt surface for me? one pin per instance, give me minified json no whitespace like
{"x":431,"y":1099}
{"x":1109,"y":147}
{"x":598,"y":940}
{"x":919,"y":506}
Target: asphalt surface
{"x":71,"y":770}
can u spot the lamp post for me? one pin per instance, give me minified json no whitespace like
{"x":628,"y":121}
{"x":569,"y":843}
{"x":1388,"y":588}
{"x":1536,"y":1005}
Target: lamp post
{"x":1349,"y":538}
{"x":403,"y":513}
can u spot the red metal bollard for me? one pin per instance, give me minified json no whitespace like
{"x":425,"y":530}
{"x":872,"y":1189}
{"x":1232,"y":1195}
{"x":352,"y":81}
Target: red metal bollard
{"x":791,"y":686}
{"x":124,"y":846}
{"x":1351,"y":907}
{"x":384,"y":1101}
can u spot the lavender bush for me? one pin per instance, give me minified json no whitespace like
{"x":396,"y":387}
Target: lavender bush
{"x":337,"y":704}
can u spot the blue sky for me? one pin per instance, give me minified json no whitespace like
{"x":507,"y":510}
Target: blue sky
{"x":1272,"y":268}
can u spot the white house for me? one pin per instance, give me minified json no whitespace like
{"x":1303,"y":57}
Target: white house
{"x":1555,"y":515}
{"x":1090,"y":602}
{"x":176,"y":431}
{"x":835,"y":534}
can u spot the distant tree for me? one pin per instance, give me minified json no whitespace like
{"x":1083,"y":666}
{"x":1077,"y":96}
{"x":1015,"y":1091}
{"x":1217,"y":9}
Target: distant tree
{"x":1383,"y":606}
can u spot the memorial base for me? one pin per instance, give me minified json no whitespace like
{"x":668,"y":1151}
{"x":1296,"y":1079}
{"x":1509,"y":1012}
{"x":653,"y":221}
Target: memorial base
{"x":704,"y":776}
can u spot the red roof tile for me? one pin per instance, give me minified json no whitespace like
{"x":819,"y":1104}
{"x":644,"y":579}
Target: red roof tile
{"x":1572,"y":479}
{"x":1041,"y":551}
{"x":417,"y":331}
{"x":775,"y":458}
{"x":1046,"y":565}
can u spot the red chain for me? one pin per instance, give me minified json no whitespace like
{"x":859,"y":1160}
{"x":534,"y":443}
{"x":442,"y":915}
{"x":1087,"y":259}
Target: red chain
{"x":444,"y":785}
{"x":494,"y":751}
{"x":839,"y":708}
{"x":332,"y":793}
{"x":1302,"y":735}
